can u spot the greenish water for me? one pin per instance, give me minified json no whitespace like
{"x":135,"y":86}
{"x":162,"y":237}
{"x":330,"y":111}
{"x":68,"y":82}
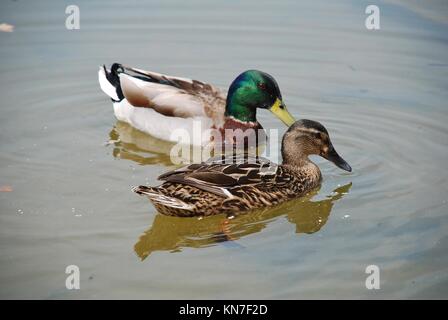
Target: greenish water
{"x":67,"y":166}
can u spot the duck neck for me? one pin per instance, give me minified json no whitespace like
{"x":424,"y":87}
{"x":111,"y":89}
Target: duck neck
{"x":301,"y":165}
{"x":240,"y":112}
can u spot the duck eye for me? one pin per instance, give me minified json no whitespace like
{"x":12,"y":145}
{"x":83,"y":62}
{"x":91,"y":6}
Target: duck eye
{"x":262,"y":85}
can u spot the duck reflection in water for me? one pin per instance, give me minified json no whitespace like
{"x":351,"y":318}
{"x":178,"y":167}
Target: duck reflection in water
{"x":131,"y":144}
{"x":174,"y":233}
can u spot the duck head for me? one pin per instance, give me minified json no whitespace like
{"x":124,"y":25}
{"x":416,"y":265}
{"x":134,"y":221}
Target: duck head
{"x":254,"y":89}
{"x":307,"y":137}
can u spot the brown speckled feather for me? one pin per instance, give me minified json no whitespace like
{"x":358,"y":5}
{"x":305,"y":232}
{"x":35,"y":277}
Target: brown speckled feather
{"x":226,"y":186}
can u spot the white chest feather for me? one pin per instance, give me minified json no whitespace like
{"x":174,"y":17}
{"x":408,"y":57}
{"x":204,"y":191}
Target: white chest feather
{"x":164,"y":127}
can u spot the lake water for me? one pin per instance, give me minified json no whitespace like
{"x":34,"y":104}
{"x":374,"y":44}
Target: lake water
{"x":67,"y":166}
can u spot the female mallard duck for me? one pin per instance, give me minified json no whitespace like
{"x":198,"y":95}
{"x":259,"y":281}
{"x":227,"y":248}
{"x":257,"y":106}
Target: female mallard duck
{"x":159,"y":104}
{"x":243,"y":183}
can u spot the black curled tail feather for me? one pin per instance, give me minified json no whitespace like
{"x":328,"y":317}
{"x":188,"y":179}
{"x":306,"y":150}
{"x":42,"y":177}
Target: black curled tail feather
{"x":113,"y":77}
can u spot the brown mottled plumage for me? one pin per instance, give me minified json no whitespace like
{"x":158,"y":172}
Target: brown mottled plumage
{"x":240,"y":183}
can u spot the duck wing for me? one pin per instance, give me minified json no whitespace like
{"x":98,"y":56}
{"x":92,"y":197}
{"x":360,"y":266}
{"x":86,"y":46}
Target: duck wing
{"x":171,"y":96}
{"x":224,"y":176}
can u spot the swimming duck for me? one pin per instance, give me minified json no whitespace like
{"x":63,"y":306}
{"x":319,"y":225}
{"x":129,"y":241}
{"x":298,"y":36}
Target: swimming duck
{"x":239,"y":183}
{"x":159,"y":104}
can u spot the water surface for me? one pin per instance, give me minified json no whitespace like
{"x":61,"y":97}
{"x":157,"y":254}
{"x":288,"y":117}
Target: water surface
{"x":67,"y":166}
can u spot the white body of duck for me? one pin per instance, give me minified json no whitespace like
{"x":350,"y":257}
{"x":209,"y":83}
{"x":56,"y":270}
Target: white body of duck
{"x":168,"y":108}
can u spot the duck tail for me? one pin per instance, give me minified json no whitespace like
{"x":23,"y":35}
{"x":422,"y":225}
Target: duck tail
{"x":144,"y":190}
{"x":110,"y":81}
{"x":158,"y":198}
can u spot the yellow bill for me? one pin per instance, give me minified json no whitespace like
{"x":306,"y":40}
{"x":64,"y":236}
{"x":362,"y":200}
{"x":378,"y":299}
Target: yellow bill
{"x":279,"y":109}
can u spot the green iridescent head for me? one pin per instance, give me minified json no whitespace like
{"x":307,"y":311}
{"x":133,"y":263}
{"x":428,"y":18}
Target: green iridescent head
{"x":254,"y":89}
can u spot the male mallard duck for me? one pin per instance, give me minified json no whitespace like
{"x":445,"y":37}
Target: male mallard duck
{"x":159,"y":104}
{"x":242,"y":183}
